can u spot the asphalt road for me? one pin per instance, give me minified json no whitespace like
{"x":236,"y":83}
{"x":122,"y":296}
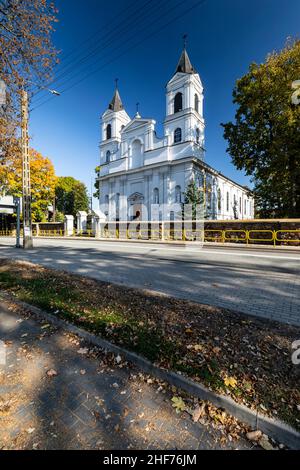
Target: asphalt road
{"x":260,"y":282}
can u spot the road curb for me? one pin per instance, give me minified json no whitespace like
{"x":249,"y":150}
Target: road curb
{"x":276,"y":429}
{"x":179,"y":243}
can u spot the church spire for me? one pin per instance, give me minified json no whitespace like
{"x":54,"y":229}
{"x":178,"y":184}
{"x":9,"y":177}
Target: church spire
{"x":184,"y":65}
{"x":116,"y":102}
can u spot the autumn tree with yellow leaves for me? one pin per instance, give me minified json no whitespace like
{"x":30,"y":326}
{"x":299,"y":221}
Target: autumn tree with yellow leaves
{"x":43,"y":181}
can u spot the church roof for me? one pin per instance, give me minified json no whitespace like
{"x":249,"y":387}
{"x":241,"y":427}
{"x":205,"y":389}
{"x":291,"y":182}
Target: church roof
{"x":116,"y":102}
{"x":184,"y":65}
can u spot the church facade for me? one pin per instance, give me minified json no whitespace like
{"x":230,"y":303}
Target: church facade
{"x":146,"y":177}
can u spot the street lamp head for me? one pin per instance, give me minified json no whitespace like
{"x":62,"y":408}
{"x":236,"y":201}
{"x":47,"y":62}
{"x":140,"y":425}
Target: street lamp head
{"x":54,"y":92}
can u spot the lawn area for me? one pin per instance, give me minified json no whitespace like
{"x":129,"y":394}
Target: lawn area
{"x":230,"y":353}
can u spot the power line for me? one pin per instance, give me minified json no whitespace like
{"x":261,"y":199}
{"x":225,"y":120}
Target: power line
{"x":126,"y":9}
{"x":76,"y":49}
{"x":59,"y":83}
{"x":114,"y":32}
{"x":198,"y":3}
{"x":107,"y":44}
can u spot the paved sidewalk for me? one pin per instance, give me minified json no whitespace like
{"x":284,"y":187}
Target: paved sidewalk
{"x":93,"y":402}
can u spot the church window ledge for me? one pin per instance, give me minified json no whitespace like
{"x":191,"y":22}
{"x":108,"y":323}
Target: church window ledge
{"x":178,"y":116}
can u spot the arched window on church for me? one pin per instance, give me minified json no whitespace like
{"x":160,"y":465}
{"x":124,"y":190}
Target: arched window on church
{"x":156,"y":196}
{"x":219,"y":200}
{"x":108,"y":131}
{"x":200,"y":180}
{"x":177,"y":135}
{"x":196,"y":103}
{"x":209,"y":194}
{"x":227,"y":201}
{"x":235,"y":207}
{"x":178,"y":102}
{"x":108,"y":154}
{"x":135,"y":160}
{"x":117,"y":206}
{"x":106,"y":202}
{"x":178,"y":194}
{"x":198,"y":136}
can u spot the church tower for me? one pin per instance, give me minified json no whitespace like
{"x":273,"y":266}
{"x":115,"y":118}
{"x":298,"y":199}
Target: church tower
{"x":112,"y":122}
{"x":184,"y":105}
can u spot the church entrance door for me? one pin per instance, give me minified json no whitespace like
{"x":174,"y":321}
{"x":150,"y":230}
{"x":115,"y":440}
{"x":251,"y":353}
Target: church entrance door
{"x":135,"y":206}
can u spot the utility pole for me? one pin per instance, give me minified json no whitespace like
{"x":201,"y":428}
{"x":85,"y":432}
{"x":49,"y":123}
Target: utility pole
{"x":26,"y":206}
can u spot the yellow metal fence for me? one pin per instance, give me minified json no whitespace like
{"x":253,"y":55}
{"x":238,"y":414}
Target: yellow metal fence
{"x":272,"y":237}
{"x":253,"y":236}
{"x":6,"y":233}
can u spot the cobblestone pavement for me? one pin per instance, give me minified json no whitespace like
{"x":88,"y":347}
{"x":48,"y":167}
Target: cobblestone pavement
{"x":94,"y":402}
{"x":255,"y":282}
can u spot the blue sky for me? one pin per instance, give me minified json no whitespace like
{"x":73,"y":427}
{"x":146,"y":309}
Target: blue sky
{"x":224,"y":37}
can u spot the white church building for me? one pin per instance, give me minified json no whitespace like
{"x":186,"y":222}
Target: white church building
{"x":142,"y":174}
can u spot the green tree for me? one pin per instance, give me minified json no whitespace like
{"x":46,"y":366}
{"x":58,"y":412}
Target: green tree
{"x":264,"y":140}
{"x":80,"y":198}
{"x":97,"y":183}
{"x":194,"y":196}
{"x":71,"y":196}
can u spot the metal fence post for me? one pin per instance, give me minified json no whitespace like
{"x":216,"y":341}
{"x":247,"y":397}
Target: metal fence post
{"x":247,"y":237}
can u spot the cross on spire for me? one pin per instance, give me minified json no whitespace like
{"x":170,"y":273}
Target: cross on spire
{"x":184,"y":37}
{"x":137,"y":115}
{"x":116,"y":103}
{"x":184,"y":65}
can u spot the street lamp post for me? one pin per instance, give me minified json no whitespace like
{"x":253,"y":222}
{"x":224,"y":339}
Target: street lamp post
{"x":26,"y":185}
{"x":26,"y":207}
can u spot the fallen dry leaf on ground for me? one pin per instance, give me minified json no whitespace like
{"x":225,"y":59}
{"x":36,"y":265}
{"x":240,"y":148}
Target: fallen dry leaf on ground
{"x":178,"y":404}
{"x":198,"y":412}
{"x":83,"y":351}
{"x":230,"y":382}
{"x":51,"y":373}
{"x":254,"y":435}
